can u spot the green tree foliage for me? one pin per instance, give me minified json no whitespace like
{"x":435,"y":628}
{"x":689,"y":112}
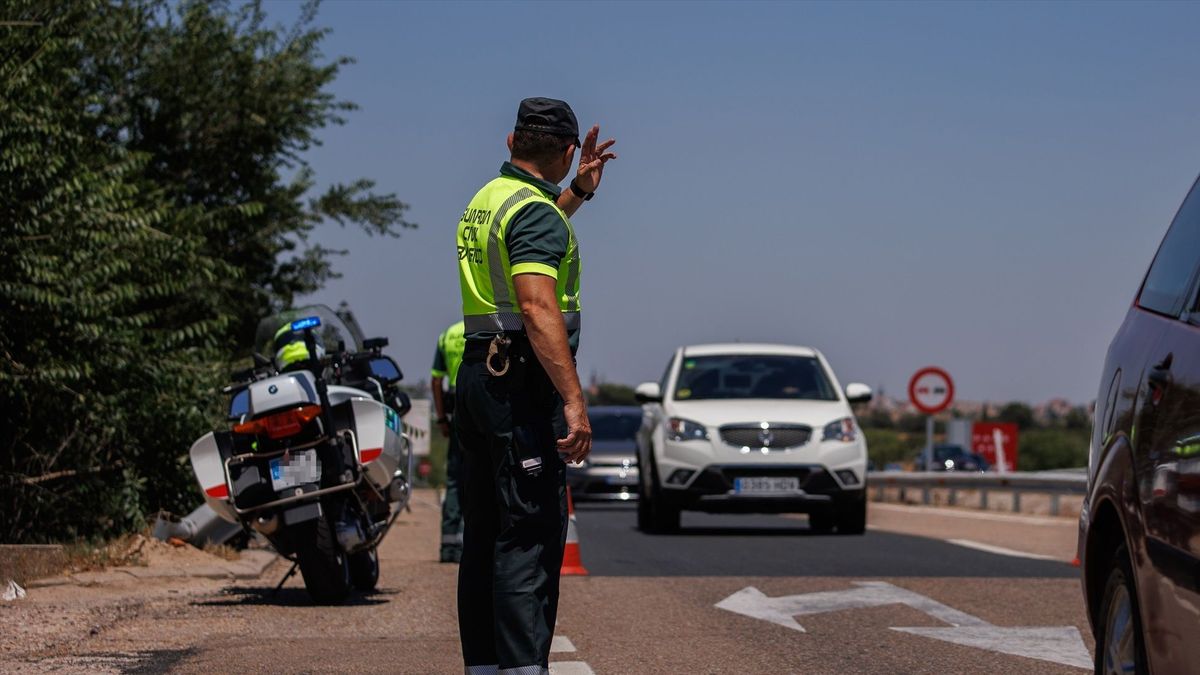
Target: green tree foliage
{"x":911,"y":423}
{"x":885,"y":445}
{"x":1078,"y":418}
{"x":1045,"y":449}
{"x":608,"y":393}
{"x":226,"y":107}
{"x":1017,"y":413}
{"x":101,"y":369}
{"x":153,"y":205}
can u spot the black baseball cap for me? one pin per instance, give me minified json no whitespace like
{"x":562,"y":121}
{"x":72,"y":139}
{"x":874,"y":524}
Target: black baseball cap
{"x":548,"y":115}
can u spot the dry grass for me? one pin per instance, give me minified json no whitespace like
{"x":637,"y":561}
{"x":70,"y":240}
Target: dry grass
{"x":87,"y":556}
{"x":222,"y":551}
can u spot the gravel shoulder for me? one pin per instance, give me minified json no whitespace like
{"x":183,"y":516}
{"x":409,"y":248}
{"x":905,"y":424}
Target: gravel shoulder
{"x":1051,"y":536}
{"x":188,"y":611}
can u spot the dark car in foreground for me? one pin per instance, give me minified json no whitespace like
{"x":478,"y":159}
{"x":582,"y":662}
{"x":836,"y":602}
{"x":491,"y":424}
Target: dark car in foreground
{"x":1139,"y":536}
{"x":952,"y":458}
{"x":610,"y":472}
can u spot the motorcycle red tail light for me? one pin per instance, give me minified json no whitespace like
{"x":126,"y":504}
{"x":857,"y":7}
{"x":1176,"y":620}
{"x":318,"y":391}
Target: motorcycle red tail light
{"x":281,"y":424}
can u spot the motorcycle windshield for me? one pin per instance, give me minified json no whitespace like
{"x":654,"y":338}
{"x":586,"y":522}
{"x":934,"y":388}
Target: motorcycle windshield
{"x":331,"y":331}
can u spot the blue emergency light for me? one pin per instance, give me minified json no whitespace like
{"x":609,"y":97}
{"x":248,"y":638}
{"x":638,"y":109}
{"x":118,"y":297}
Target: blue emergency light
{"x":307,"y":322}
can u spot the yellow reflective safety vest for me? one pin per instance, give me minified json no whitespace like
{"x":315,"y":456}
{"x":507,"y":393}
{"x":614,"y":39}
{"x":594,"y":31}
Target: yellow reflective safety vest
{"x":289,"y":347}
{"x":484,"y":271}
{"x":450,"y":346}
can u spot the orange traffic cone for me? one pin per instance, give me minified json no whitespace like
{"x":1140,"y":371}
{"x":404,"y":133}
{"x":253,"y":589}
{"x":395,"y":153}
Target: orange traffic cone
{"x":572,"y":565}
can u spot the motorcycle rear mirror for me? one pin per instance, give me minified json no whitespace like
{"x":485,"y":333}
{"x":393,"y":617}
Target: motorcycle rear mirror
{"x":384,"y":369}
{"x":239,"y":407}
{"x":375,"y":343}
{"x":402,"y":403}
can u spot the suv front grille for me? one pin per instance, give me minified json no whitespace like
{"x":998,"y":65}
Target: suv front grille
{"x":772,"y":437}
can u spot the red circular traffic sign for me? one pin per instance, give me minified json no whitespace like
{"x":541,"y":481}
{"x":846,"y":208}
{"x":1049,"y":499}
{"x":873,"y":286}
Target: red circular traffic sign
{"x":931,"y":390}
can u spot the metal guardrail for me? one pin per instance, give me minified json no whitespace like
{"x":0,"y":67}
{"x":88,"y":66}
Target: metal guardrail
{"x":1053,"y":483}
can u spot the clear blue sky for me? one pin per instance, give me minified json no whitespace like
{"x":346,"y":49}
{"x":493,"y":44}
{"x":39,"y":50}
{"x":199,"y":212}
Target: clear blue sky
{"x":975,"y":186}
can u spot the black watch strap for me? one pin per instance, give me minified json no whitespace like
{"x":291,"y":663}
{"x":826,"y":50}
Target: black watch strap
{"x":578,"y":192}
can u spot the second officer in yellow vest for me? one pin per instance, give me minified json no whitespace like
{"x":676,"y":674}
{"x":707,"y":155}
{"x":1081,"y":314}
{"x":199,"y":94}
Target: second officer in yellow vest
{"x":446,"y":361}
{"x":520,"y":410}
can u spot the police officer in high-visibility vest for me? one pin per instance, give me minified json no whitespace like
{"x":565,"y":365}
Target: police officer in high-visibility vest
{"x":290,"y":350}
{"x":520,"y":410}
{"x":446,"y":360}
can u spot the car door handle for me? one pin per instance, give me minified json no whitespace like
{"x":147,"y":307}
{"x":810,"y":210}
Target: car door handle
{"x":1160,"y":374}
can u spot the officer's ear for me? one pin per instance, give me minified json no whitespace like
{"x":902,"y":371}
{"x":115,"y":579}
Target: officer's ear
{"x":510,"y":140}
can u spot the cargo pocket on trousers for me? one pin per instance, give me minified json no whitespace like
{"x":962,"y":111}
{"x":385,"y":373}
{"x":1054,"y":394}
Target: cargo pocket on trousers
{"x":530,"y":496}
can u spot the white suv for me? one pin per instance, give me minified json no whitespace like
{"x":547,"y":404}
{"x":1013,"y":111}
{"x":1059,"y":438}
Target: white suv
{"x":744,"y":428}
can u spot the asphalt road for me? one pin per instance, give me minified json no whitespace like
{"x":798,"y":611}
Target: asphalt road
{"x":745,"y":594}
{"x":777,"y":546}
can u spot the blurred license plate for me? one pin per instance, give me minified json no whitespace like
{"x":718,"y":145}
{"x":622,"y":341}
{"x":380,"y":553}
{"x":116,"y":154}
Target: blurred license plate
{"x":299,"y":468}
{"x":766,"y":484}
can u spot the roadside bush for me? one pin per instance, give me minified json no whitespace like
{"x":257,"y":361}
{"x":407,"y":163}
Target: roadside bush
{"x":1045,"y":449}
{"x":154,"y":205}
{"x":890,"y":445}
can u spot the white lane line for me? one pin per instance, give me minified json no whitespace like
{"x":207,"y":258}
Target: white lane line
{"x":1000,"y":550}
{"x":561,"y":644}
{"x":570,"y":668}
{"x":974,"y":515}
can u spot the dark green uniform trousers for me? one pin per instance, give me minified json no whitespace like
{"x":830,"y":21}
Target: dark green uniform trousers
{"x":452,"y":519}
{"x":515,"y":523}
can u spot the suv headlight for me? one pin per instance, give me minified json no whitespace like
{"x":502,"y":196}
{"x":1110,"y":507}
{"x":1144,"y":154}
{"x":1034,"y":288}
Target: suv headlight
{"x":840,"y":430}
{"x":686,"y":430}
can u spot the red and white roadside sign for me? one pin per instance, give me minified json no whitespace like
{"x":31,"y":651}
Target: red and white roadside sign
{"x":931,"y":390}
{"x":996,"y":442}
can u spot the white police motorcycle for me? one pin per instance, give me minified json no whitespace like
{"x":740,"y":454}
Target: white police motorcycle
{"x":315,"y":460}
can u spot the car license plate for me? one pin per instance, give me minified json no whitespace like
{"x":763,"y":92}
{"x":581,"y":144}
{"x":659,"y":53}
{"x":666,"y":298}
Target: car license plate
{"x":298,"y":468}
{"x":766,"y":484}
{"x":621,"y":480}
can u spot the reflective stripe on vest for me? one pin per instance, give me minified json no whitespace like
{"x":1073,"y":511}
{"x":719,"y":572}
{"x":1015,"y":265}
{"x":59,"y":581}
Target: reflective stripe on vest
{"x":488,"y":323}
{"x":485,"y":273}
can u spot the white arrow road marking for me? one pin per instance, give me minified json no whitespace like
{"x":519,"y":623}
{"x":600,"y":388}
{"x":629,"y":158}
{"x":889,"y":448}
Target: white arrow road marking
{"x":1000,"y":550}
{"x":1058,"y":644}
{"x":751,"y":602}
{"x":561,"y":644}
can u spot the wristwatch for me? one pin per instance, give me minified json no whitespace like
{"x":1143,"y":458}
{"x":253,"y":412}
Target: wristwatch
{"x":578,"y":192}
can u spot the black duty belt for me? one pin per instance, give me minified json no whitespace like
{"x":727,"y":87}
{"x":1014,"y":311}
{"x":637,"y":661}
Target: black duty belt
{"x":500,"y":352}
{"x":477,"y":349}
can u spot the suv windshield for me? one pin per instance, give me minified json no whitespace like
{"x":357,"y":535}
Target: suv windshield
{"x":944,"y":452}
{"x":331,"y":331}
{"x":753,"y":376}
{"x":615,"y":426}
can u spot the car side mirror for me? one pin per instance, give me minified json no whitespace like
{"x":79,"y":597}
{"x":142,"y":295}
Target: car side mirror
{"x":648,"y":392}
{"x":384,"y":369}
{"x":858,"y":393}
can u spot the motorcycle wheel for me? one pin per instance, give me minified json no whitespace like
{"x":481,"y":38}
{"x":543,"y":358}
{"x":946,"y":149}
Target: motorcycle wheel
{"x":364,"y":569}
{"x":325,"y":568}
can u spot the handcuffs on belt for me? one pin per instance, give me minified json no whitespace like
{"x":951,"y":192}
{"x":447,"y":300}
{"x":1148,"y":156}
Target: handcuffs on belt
{"x":498,"y":349}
